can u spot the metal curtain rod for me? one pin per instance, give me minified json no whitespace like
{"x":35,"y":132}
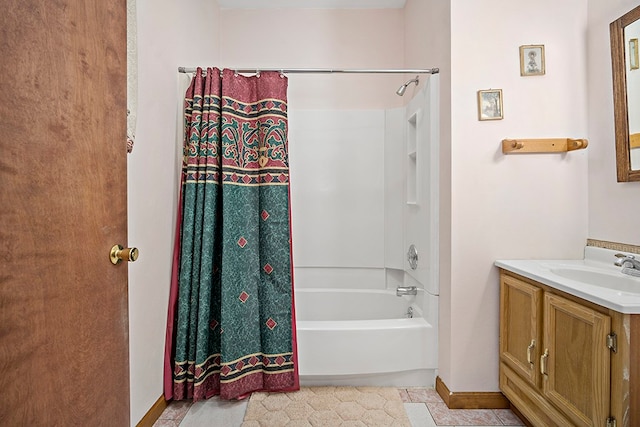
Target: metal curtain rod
{"x":324,"y":70}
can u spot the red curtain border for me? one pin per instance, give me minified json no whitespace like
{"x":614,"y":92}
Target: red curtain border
{"x":173,"y":299}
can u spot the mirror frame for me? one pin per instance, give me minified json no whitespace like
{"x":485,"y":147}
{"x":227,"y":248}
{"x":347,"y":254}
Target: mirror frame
{"x":621,"y":113}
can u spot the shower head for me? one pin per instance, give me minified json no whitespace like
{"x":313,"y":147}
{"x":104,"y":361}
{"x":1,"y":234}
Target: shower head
{"x":401,"y":90}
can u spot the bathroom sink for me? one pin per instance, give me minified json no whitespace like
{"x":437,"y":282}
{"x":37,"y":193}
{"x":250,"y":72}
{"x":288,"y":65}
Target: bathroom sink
{"x":611,"y":280}
{"x":594,"y":278}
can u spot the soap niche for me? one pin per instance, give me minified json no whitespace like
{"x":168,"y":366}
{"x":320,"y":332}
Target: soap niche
{"x":412,"y":159}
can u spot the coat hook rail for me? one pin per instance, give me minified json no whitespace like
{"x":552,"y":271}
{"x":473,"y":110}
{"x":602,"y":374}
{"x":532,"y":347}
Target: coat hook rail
{"x":543,"y":145}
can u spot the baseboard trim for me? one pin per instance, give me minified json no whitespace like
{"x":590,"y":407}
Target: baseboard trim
{"x":471,"y":399}
{"x":154,"y":413}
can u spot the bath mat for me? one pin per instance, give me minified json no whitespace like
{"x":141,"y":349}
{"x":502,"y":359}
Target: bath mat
{"x":327,"y":407}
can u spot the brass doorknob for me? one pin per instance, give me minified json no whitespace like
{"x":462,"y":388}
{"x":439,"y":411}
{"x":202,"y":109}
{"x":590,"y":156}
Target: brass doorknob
{"x":118,"y":253}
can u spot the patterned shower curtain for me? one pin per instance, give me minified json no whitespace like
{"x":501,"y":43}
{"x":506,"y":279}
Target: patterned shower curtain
{"x":231,"y":326}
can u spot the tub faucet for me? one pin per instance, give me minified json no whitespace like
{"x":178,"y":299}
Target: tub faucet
{"x":407,"y":290}
{"x":630,"y":265}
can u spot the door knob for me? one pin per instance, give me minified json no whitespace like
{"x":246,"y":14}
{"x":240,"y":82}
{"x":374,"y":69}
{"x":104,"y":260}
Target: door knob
{"x":118,"y":253}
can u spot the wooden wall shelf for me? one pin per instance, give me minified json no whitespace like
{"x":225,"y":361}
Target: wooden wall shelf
{"x":545,"y":145}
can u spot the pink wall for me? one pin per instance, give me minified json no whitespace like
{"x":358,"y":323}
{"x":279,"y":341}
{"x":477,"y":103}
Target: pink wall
{"x":320,"y":38}
{"x":613,"y":206}
{"x":509,"y":206}
{"x":169,"y":35}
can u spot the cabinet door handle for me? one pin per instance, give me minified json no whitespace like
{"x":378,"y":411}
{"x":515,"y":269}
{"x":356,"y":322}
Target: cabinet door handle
{"x":543,"y":362}
{"x":530,"y":349}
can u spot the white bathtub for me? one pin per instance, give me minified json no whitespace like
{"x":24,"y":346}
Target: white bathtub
{"x":364,"y":337}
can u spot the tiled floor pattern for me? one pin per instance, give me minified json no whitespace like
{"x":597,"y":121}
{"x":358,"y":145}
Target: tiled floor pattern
{"x":424,"y":407}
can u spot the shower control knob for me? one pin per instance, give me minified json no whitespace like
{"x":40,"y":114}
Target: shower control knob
{"x":412,"y":257}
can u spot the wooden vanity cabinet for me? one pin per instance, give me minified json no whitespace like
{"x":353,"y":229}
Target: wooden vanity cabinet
{"x":520,"y":327}
{"x":556,"y":366}
{"x":576,"y":360}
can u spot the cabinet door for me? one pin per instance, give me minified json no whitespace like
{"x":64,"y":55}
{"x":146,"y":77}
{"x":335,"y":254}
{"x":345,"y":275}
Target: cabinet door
{"x":576,"y":360}
{"x":520,"y":329}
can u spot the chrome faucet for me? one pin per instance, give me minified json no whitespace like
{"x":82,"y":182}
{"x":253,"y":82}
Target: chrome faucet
{"x":408,"y":290}
{"x":630,"y":265}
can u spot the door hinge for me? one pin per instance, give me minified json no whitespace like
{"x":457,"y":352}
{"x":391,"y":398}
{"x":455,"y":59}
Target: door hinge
{"x":611,"y":422}
{"x":612,"y":342}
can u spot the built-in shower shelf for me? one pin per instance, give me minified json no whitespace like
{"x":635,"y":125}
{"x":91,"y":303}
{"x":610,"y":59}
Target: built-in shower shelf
{"x":544,"y":145}
{"x":412,"y":155}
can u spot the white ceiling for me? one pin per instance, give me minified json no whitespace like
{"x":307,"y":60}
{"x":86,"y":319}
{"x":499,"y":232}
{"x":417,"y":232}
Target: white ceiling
{"x":311,"y":4}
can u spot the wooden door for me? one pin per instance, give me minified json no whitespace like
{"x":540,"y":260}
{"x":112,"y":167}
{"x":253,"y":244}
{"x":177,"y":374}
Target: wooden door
{"x":63,"y":305}
{"x":576,"y":361}
{"x":520,"y":327}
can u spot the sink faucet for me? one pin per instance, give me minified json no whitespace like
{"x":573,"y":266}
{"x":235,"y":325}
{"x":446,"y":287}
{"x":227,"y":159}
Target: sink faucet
{"x":630,"y":265}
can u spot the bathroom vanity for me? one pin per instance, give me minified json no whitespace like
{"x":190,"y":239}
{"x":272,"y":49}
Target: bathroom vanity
{"x":569,"y":331}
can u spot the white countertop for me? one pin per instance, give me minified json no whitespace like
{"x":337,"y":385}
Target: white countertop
{"x":596,"y":260}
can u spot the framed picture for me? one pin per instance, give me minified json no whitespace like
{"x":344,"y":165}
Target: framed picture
{"x":532,"y":60}
{"x":633,"y":54}
{"x":490,"y":104}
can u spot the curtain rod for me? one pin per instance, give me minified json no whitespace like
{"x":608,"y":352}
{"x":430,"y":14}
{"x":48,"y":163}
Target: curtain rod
{"x":325,"y":70}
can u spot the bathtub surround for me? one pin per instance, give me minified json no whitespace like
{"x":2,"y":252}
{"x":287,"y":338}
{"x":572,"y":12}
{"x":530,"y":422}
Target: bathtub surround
{"x":353,"y":221}
{"x":231,"y":327}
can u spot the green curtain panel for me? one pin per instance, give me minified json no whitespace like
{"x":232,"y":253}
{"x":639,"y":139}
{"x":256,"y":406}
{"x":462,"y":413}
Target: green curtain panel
{"x":231,"y":327}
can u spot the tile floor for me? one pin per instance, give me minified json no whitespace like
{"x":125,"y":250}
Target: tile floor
{"x":424,"y":407}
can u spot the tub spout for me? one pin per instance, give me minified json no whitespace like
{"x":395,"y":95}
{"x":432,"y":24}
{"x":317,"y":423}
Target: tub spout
{"x":406,"y":290}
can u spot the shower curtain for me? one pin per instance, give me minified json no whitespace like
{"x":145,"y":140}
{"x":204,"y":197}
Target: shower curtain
{"x":231,"y":325}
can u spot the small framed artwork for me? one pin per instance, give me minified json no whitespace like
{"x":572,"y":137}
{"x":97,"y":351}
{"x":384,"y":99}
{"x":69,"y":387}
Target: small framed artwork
{"x":633,"y":54}
{"x":532,"y":60}
{"x":490,"y":104}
